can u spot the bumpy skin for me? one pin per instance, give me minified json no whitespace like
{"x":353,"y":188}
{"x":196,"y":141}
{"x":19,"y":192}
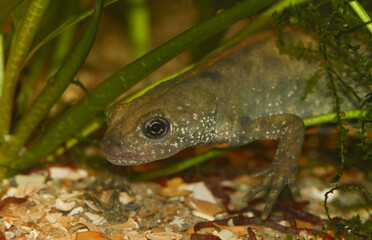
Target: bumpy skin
{"x":246,"y":93}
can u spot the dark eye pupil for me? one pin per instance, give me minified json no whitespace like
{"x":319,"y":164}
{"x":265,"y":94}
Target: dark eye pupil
{"x":156,"y":127}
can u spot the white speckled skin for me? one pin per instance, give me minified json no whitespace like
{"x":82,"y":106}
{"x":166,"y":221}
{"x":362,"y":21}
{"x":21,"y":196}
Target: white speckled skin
{"x":250,"y":92}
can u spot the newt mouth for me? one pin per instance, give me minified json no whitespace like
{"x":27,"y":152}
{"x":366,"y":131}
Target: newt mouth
{"x":126,"y":162}
{"x":127,"y":159}
{"x":115,"y":155}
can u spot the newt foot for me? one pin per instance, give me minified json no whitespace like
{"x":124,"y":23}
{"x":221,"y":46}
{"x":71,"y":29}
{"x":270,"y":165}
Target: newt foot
{"x":275,"y":180}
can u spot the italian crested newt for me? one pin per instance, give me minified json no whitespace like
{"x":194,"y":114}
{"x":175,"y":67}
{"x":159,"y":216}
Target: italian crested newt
{"x":248,"y":92}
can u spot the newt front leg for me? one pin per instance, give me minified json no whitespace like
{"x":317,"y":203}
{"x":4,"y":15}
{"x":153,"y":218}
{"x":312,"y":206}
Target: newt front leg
{"x":289,"y":129}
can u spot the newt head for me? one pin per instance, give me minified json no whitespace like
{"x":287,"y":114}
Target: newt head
{"x":158,"y":125}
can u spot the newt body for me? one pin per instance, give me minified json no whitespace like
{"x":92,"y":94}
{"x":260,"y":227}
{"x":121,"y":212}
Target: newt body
{"x":245,"y":93}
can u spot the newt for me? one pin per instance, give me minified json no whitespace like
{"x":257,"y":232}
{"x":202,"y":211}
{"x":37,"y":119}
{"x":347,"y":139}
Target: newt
{"x":250,"y":91}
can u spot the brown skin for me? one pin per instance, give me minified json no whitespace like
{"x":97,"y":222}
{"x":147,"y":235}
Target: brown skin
{"x":243,"y":94}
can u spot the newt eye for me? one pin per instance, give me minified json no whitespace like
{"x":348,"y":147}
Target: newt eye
{"x":156,"y":127}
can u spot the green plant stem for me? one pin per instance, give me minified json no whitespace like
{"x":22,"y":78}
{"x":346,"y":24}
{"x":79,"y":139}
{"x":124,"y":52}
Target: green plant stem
{"x":179,"y":166}
{"x":94,"y":125}
{"x":263,"y":20}
{"x":96,"y":100}
{"x":63,"y":44}
{"x":1,"y":62}
{"x":53,"y":89}
{"x":20,"y":46}
{"x":30,"y":80}
{"x":362,"y":14}
{"x":139,"y":26}
{"x":326,"y":118}
{"x":345,"y":188}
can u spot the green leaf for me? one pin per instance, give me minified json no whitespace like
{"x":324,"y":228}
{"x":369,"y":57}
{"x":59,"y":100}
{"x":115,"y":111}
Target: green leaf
{"x":19,"y":48}
{"x":53,"y":90}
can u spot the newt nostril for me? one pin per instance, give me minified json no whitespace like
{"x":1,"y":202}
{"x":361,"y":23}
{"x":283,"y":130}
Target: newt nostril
{"x":106,"y":142}
{"x":111,"y":148}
